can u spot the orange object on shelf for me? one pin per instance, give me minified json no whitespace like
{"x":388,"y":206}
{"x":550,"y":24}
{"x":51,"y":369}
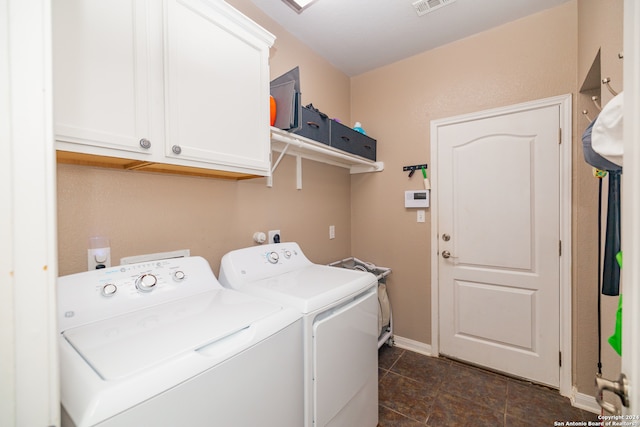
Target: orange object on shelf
{"x":273,"y":110}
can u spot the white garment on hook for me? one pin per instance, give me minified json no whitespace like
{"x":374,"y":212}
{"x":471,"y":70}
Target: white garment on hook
{"x":606,"y":136}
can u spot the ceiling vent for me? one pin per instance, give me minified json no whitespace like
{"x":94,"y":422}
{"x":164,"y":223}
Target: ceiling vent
{"x":423,"y":7}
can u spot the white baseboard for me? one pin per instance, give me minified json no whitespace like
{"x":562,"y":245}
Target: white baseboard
{"x":578,"y":400}
{"x":416,"y":346}
{"x":584,"y":401}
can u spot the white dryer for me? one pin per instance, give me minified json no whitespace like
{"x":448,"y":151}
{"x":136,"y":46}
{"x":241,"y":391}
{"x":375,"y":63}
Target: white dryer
{"x":340,"y":315}
{"x":164,"y":344}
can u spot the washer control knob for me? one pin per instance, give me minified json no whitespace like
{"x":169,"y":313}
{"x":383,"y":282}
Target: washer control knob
{"x":146,"y":282}
{"x":109,"y":289}
{"x":179,"y":276}
{"x":273,"y":257}
{"x":287,"y":253}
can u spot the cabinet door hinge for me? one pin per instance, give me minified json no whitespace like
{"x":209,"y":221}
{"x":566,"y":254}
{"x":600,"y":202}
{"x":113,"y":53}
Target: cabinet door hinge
{"x":559,"y":135}
{"x":560,"y":358}
{"x":559,"y":247}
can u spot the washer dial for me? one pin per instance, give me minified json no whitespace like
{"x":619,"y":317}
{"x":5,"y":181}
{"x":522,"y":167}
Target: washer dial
{"x":273,"y":257}
{"x":146,"y":282}
{"x":109,"y":289}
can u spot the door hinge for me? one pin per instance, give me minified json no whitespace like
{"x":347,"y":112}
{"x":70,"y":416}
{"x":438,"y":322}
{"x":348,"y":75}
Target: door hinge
{"x":559,"y":247}
{"x":559,"y":135}
{"x":560,"y":359}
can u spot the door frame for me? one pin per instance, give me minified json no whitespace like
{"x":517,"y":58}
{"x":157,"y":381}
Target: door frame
{"x":631,"y":205}
{"x":565,"y":104}
{"x":29,"y":374}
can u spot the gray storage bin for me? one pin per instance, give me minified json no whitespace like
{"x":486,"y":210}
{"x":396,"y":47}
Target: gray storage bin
{"x":314,"y":125}
{"x":346,"y":139}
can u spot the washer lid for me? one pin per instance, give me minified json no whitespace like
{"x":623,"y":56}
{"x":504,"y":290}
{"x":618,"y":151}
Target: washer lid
{"x":311,"y":288}
{"x":121,"y":346}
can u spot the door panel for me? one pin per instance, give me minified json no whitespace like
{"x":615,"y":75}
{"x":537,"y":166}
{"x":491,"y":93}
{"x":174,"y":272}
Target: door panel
{"x":498,"y":186}
{"x":475,"y":187}
{"x":483,"y":309}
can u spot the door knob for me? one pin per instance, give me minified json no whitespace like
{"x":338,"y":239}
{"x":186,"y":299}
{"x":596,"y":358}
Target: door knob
{"x":446,"y":254}
{"x":620,"y":387}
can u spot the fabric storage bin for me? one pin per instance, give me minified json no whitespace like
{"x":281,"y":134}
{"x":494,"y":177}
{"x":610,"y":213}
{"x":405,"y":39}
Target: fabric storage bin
{"x":347,"y":139}
{"x":314,"y":125}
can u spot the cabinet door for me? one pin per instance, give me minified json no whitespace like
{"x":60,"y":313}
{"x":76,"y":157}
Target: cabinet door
{"x":100,"y":74}
{"x":217,"y":86}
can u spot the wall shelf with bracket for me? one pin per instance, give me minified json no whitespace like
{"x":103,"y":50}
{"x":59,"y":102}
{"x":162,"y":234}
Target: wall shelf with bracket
{"x":301,"y":147}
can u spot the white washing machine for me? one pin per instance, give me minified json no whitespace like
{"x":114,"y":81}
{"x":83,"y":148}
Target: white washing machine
{"x":162,"y":343}
{"x":340,"y":316}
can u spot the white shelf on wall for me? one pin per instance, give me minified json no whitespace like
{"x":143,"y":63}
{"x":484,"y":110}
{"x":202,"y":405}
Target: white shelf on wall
{"x":301,"y":147}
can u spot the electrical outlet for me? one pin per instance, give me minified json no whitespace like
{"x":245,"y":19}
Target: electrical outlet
{"x":332,"y":232}
{"x":274,"y":236}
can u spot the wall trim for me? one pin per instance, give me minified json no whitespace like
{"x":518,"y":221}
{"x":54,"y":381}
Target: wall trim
{"x":584,"y":401}
{"x":411,"y":345}
{"x":565,"y":104}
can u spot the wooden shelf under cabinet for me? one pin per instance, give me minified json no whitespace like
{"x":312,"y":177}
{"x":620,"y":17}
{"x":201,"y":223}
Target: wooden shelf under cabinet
{"x":68,"y":157}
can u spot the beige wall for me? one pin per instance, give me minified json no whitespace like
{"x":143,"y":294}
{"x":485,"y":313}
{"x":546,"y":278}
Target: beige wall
{"x":503,"y":66}
{"x":599,"y":28}
{"x":532,"y":58}
{"x":536,"y":57}
{"x":143,"y":212}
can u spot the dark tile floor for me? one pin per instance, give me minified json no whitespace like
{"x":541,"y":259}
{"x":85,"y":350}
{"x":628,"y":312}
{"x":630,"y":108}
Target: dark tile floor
{"x":417,"y":390}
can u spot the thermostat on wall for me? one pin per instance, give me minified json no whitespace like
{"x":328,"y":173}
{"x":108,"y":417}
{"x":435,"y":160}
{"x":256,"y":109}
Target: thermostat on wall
{"x":416,"y":199}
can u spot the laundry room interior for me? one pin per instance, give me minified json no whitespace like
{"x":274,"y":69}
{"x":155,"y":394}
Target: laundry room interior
{"x":542,"y":55}
{"x":333,"y":214}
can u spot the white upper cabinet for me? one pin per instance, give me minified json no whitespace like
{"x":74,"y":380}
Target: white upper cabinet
{"x":217,"y":86}
{"x":101,"y":61}
{"x":178,"y":82}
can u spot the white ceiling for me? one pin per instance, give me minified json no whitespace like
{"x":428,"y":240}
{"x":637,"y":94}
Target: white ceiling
{"x":360,"y":35}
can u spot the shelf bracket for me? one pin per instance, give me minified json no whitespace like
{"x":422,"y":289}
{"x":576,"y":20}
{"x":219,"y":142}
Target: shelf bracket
{"x":298,"y":172}
{"x":275,"y":166}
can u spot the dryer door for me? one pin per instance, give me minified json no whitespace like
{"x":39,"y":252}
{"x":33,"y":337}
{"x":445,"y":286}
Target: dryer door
{"x":345,"y":352}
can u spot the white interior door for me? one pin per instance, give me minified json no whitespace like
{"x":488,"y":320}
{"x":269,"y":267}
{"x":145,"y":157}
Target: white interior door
{"x":499,"y":241}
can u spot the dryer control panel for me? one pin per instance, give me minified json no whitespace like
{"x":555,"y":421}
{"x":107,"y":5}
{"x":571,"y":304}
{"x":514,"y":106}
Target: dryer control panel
{"x":260,"y":262}
{"x":97,"y":294}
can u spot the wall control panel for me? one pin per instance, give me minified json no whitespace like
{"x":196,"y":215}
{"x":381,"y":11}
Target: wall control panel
{"x":416,"y":199}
